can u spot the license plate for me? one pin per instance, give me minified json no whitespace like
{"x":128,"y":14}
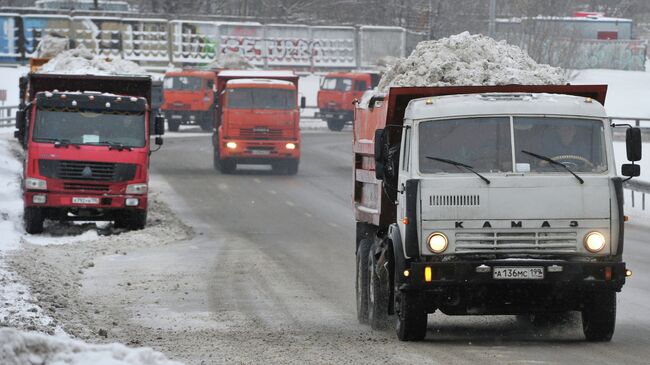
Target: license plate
{"x":518,"y":273}
{"x":260,"y":152}
{"x":85,"y":200}
{"x":329,"y":115}
{"x":177,"y":116}
{"x":261,"y":130}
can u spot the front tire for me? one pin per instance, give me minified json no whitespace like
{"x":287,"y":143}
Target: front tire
{"x":292,"y":167}
{"x":362,"y":280}
{"x":599,"y":316}
{"x":228,"y":166}
{"x":411,"y":323}
{"x":377,"y":295}
{"x":335,"y":125}
{"x":173,"y":125}
{"x":33,"y":218}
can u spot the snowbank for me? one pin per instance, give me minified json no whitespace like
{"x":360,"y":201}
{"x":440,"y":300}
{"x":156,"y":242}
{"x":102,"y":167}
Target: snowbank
{"x":27,"y":348}
{"x":81,"y":61}
{"x":51,"y":45}
{"x":466,"y":59}
{"x":232,"y":61}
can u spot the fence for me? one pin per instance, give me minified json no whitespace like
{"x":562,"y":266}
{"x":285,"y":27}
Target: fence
{"x":7,"y":117}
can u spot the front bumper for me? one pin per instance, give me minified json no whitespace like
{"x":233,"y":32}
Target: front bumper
{"x":260,"y":150}
{"x":187,"y":116}
{"x":64,"y":200}
{"x":331,"y":114}
{"x":584,"y":275}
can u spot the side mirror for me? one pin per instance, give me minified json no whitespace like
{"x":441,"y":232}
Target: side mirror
{"x":159,"y":125}
{"x":631,"y":170}
{"x":158,"y":141}
{"x":19,"y":133}
{"x":379,"y":154}
{"x":633,"y":144}
{"x":303,"y":102}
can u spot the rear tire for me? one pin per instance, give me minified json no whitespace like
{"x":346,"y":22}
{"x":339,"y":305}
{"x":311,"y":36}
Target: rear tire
{"x":599,"y":316}
{"x":335,"y":125}
{"x":377,"y":295}
{"x":362,"y":280}
{"x":173,"y":125}
{"x":411,"y":322}
{"x":33,"y":218}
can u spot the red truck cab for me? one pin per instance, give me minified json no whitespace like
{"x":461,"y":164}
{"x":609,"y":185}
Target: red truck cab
{"x":189,"y":98}
{"x":337,"y":92}
{"x":258,"y":120}
{"x":87,"y":152}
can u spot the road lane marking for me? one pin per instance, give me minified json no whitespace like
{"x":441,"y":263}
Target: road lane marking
{"x":257,"y":180}
{"x":308,"y":214}
{"x":273,"y":192}
{"x":223,"y":186}
{"x":333,"y":225}
{"x":291,"y":204}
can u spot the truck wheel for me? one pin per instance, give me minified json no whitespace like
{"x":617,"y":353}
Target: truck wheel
{"x":599,"y":316}
{"x":411,"y":323}
{"x":216,"y":160}
{"x":377,"y":295}
{"x":206,"y":125}
{"x":362,"y":280}
{"x":292,"y":167}
{"x":228,"y":166}
{"x":137,"y":220}
{"x":33,"y":218}
{"x":173,"y":125}
{"x":335,"y":125}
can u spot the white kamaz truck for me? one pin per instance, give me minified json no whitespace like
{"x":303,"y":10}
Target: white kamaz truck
{"x":488,"y":200}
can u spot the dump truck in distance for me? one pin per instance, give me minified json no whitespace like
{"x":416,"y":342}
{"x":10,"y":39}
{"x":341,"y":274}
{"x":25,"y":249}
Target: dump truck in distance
{"x":258,"y":120}
{"x":189,"y":98}
{"x":488,"y":200}
{"x":87,"y":150}
{"x":337,"y":92}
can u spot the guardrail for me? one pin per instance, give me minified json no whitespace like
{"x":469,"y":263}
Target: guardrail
{"x":638,"y":187}
{"x":7,"y":118}
{"x":634,"y":121}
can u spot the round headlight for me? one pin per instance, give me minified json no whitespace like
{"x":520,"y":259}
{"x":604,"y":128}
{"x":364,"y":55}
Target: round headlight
{"x":594,"y":242}
{"x":290,"y":146}
{"x":437,"y":242}
{"x":231,"y":145}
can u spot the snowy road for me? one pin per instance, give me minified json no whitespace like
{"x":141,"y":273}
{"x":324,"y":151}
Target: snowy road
{"x":268,"y":277}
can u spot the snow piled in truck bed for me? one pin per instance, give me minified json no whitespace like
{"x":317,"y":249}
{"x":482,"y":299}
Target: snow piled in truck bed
{"x":21,"y":348}
{"x":466,"y":59}
{"x":81,"y":61}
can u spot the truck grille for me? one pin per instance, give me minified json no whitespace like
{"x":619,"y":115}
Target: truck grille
{"x":86,"y":187}
{"x":454,"y":200}
{"x":508,"y":241}
{"x":260,"y":133}
{"x":86,"y":170}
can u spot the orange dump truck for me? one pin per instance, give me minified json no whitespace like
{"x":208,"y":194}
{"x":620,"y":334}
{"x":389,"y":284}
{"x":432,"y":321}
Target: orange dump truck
{"x":189,"y":98}
{"x":257,"y":120}
{"x":337,"y":92}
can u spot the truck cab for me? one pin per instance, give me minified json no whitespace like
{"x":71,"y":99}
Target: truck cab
{"x":258,"y":120}
{"x":337,"y":92}
{"x":189,"y":98}
{"x":87,"y":152}
{"x":505,"y":201}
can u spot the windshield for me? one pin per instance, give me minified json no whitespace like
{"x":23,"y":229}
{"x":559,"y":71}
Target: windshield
{"x":261,"y":98}
{"x":576,"y":143}
{"x":336,"y":83}
{"x":482,"y":143}
{"x":90,"y":127}
{"x":485,"y":144}
{"x":183,"y":83}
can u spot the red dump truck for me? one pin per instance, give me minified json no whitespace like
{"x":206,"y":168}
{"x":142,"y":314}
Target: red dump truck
{"x":189,"y":98}
{"x":337,"y":92}
{"x":488,"y":200}
{"x":258,"y":120}
{"x":87,"y":149}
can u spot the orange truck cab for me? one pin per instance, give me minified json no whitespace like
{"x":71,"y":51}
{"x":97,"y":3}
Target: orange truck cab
{"x":258,"y":120}
{"x":189,"y":98}
{"x":337,"y":92}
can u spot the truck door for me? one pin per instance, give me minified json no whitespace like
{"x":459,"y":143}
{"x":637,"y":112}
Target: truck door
{"x":403,"y":176}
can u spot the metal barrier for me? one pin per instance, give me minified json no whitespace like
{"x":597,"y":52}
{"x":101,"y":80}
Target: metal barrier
{"x":634,"y":121}
{"x":7,"y":118}
{"x":639,"y":187}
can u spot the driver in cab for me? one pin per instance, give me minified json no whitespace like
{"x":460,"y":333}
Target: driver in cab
{"x":565,"y":145}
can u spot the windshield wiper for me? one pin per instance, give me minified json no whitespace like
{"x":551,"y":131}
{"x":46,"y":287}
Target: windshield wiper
{"x":553,"y":162}
{"x":58,"y":142}
{"x":460,"y":164}
{"x":113,"y":145}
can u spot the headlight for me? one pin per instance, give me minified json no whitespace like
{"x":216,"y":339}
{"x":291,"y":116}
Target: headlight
{"x":35,"y":184}
{"x":231,"y":145}
{"x":594,"y":242}
{"x":290,"y":146}
{"x":437,"y":242}
{"x":136,"y":189}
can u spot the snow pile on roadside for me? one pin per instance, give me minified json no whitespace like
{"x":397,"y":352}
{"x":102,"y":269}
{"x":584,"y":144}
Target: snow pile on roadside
{"x":232,"y":61}
{"x":23,"y":348}
{"x":11,"y":208}
{"x":81,"y":61}
{"x":51,"y":45}
{"x":466,"y":59}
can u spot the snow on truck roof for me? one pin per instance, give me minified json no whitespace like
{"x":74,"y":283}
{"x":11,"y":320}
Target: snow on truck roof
{"x":259,"y":81}
{"x":452,"y":106}
{"x":256,"y":74}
